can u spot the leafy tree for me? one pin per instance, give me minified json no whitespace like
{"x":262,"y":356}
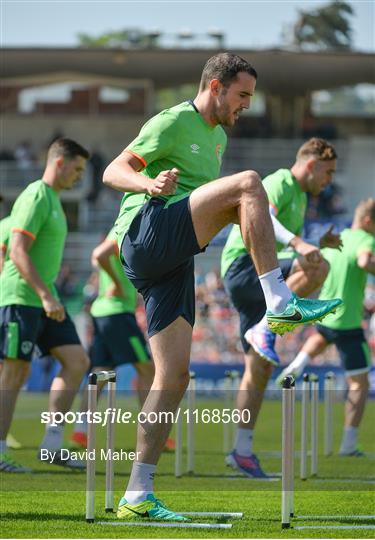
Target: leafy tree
{"x":327,"y":27}
{"x":128,"y":38}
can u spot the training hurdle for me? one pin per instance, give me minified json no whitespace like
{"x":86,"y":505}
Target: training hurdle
{"x":287,"y":454}
{"x":310,"y":395}
{"x":110,"y":378}
{"x":179,"y":419}
{"x":231,"y":384}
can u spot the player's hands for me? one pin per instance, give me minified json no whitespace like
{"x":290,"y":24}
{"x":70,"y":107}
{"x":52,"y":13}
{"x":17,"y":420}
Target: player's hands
{"x":331,"y":240}
{"x":310,"y":252}
{"x":54,"y":310}
{"x":114,"y":290}
{"x":164,"y":184}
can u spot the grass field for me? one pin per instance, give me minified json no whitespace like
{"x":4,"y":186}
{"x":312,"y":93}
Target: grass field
{"x":50,"y":503}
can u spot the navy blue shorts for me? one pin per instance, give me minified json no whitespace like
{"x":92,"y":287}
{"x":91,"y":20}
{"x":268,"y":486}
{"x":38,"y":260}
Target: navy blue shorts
{"x":243,"y":286}
{"x":117,"y":340}
{"x":158,"y":251}
{"x":352,"y":347}
{"x":24,"y":327}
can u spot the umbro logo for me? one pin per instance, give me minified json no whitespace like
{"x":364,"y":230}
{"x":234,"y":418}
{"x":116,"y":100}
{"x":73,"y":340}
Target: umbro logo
{"x":195,"y":148}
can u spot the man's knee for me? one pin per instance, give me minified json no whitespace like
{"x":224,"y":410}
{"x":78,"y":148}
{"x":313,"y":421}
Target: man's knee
{"x":250,"y":183}
{"x":176,"y":381}
{"x":77,"y":362}
{"x":14,"y":374}
{"x":258,"y":371}
{"x":359,"y":383}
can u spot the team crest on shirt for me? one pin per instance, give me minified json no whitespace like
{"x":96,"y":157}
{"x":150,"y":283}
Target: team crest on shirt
{"x":219,"y":153}
{"x":26,"y":347}
{"x":195,"y":148}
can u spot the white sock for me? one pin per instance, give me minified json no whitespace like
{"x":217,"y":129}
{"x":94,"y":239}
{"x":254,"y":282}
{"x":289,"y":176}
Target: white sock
{"x":3,"y":447}
{"x":141,"y":482}
{"x":81,"y":427}
{"x":275,"y":290}
{"x":300,"y":361}
{"x":244,"y":442}
{"x":53,"y":438}
{"x":349,"y":440}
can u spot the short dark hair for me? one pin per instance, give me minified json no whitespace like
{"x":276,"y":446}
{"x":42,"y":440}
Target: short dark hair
{"x":67,"y":148}
{"x":225,"y":67}
{"x":318,"y":148}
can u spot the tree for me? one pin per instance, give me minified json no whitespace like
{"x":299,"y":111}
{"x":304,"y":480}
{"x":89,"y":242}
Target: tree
{"x":327,"y":27}
{"x":132,"y":38}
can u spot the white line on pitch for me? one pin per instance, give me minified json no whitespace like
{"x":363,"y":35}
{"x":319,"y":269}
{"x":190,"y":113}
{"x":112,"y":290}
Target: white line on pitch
{"x":213,"y":514}
{"x":340,"y":527}
{"x":182,"y":525}
{"x":335,"y":517}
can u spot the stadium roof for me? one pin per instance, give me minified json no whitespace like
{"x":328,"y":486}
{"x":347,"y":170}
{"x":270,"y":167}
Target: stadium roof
{"x":281,"y":72}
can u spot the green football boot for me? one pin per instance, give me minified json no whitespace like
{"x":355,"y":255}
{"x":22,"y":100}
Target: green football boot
{"x":150,"y":508}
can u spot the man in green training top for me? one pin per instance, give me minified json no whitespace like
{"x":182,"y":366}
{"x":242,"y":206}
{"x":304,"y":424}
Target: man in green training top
{"x":347,"y":278}
{"x":30,"y":310}
{"x":4,"y":242}
{"x":170,"y":212}
{"x":118,"y":340}
{"x":303,"y":268}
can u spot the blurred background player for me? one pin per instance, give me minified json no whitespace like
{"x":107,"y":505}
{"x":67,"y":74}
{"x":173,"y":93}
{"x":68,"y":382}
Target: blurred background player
{"x":30,"y":311}
{"x":169,"y":213}
{"x":4,"y":241}
{"x":118,"y":340}
{"x":303,"y":268}
{"x":347,"y":278}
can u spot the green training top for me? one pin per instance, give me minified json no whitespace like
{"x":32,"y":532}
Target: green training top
{"x":178,"y":137}
{"x":112,"y":305}
{"x":346,"y":280}
{"x":289,"y":201}
{"x":38,"y":213}
{"x":4,"y":233}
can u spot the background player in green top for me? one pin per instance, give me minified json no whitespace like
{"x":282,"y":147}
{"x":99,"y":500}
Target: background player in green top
{"x":347,"y":278}
{"x":170,"y":212}
{"x":4,"y":242}
{"x":30,"y":311}
{"x":117,"y":338}
{"x":304,"y":269}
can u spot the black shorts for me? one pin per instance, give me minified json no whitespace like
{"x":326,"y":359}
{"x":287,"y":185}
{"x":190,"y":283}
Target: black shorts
{"x":352,"y":347}
{"x":158,"y":251}
{"x":243,"y":286}
{"x":24,"y":327}
{"x":117,"y":340}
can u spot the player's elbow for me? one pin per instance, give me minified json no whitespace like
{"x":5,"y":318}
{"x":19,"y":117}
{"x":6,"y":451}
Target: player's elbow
{"x":107,"y":176}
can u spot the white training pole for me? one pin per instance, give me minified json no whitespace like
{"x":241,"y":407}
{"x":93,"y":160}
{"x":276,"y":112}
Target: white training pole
{"x":178,"y":524}
{"x":227,"y":405}
{"x":304,"y":415}
{"x":235,"y":386}
{"x":213,"y":514}
{"x":291,"y":495}
{"x":314,"y":423}
{"x":329,"y":388}
{"x":287,"y":457}
{"x":90,"y":464}
{"x":178,"y":448}
{"x":109,"y":470}
{"x":191,"y":424}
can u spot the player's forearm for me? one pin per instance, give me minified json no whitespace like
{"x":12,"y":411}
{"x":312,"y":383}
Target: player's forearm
{"x":281,"y":233}
{"x":123,"y":178}
{"x":105,"y":263}
{"x":29,"y":273}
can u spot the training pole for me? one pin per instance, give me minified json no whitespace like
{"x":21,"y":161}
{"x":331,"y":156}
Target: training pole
{"x":304,"y":417}
{"x":314,"y":381}
{"x":329,"y":392}
{"x":287,"y":473}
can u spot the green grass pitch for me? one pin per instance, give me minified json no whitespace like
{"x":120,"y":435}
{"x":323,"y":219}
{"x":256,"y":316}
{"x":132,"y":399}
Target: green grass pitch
{"x":51,"y":502}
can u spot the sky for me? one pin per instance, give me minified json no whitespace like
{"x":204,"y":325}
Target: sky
{"x":245,"y":23}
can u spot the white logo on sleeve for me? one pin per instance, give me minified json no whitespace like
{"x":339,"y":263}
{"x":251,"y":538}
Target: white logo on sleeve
{"x":195,"y":148}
